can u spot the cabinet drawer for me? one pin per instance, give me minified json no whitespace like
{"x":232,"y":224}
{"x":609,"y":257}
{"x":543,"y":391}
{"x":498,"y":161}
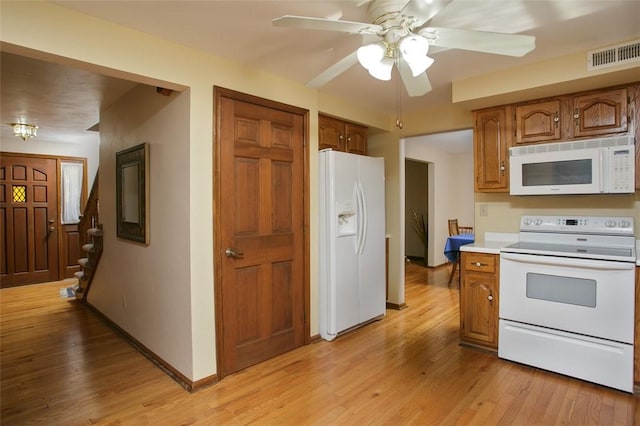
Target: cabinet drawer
{"x":479,"y":262}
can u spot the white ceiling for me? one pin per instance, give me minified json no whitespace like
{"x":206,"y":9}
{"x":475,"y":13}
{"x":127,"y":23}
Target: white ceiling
{"x":242,"y":32}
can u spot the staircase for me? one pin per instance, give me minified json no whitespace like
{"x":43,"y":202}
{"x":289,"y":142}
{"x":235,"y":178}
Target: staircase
{"x":91,"y":231}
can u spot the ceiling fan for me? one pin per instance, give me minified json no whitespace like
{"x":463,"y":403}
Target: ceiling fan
{"x":402,"y":37}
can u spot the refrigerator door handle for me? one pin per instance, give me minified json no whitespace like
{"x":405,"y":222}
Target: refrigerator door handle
{"x":362,"y":218}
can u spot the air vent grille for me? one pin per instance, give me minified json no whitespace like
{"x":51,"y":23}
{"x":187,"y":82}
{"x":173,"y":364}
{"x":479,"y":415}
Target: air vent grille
{"x":614,"y":55}
{"x":572,"y":145}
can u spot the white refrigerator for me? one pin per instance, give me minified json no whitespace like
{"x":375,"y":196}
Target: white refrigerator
{"x":352,"y":287}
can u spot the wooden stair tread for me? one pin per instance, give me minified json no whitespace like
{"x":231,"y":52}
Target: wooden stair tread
{"x":96,"y":232}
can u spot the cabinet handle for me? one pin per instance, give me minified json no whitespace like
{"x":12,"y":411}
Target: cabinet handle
{"x":490,"y":297}
{"x":556,"y":119}
{"x":478,"y":264}
{"x":576,"y":115}
{"x":502,"y":167}
{"x":340,"y":136}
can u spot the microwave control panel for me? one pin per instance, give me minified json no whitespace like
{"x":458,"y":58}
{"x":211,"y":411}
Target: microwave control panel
{"x":621,"y":173}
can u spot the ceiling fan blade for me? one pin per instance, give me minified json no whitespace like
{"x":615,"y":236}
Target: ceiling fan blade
{"x":416,"y":86}
{"x":481,"y":41}
{"x":309,"y":23}
{"x":334,"y":70}
{"x":422,"y":11}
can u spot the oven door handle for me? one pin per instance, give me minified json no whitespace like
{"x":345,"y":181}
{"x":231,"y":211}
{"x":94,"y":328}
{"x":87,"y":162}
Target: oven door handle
{"x":579,"y":263}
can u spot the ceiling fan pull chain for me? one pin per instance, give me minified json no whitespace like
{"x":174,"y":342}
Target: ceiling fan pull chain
{"x":398,"y":101}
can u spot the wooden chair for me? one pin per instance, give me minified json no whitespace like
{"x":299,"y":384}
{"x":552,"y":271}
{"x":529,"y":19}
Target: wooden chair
{"x":455,"y":229}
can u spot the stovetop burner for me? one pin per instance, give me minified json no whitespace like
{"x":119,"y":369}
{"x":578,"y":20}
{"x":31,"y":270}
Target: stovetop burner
{"x":587,"y":237}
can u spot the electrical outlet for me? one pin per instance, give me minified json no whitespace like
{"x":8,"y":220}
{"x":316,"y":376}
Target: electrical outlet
{"x":484,"y":210}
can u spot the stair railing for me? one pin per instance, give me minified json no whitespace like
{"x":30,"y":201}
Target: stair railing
{"x":90,"y":230}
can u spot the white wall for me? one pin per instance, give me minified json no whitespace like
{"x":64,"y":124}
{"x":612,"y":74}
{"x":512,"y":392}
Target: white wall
{"x":451,"y":189}
{"x":88,"y":149}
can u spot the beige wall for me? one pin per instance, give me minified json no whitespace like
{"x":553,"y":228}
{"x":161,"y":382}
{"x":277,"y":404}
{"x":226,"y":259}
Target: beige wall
{"x":145,"y":289}
{"x":391,"y":146}
{"x":504,"y":211}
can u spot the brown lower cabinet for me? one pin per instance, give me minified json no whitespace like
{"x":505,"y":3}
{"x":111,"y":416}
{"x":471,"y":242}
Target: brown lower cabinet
{"x":479,"y":288}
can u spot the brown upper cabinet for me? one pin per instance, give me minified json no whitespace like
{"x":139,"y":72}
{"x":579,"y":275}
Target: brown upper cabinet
{"x":341,"y":135}
{"x":599,"y":113}
{"x":595,"y":113}
{"x":537,"y":122}
{"x":604,"y":112}
{"x":491,"y":141}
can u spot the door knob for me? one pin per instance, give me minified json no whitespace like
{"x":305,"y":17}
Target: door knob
{"x":230,"y":253}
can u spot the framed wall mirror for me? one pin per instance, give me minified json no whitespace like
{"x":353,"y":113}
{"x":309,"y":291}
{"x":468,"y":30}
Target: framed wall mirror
{"x":132,"y":193}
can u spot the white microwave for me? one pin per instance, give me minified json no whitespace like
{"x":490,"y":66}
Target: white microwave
{"x":588,"y":166}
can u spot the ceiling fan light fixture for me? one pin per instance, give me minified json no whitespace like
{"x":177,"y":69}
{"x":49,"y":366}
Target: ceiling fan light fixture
{"x":371,"y":54}
{"x":382,"y":70}
{"x":24,"y":131}
{"x":414,"y":51}
{"x":419,"y":65}
{"x":413,"y":46}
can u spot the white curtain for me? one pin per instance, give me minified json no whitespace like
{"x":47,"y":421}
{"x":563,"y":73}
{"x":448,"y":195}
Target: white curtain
{"x":71,"y":187}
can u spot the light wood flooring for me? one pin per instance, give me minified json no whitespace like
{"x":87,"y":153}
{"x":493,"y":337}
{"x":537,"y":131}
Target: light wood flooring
{"x":61,"y":365}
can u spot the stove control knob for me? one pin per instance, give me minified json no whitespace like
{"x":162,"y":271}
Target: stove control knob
{"x":527,"y":221}
{"x":623,"y":224}
{"x":538,"y":222}
{"x":610,"y":223}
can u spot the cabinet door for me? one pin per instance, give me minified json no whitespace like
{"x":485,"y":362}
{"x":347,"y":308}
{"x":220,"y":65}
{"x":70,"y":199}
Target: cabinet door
{"x":356,"y":139}
{"x":538,"y":122}
{"x":479,"y":309}
{"x":490,"y":150}
{"x":331,"y":134}
{"x":600,"y":113}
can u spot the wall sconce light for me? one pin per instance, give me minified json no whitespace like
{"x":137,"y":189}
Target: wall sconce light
{"x":24,"y":131}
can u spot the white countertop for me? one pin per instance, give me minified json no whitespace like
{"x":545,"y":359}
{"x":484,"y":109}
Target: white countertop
{"x":491,"y":243}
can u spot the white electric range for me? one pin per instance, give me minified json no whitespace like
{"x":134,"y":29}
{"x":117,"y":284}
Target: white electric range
{"x":567,"y":297}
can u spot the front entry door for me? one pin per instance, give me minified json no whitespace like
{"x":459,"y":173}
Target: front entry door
{"x":260,"y":283}
{"x":28,"y":220}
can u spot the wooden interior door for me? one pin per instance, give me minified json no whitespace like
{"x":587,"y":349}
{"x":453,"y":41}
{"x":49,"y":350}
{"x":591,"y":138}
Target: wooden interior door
{"x":28,"y":220}
{"x":260,"y":290}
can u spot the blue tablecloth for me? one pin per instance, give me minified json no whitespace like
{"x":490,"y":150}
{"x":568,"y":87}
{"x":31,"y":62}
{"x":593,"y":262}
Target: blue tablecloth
{"x":452,"y":247}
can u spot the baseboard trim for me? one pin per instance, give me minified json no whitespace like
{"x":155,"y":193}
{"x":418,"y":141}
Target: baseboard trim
{"x":187,"y":384}
{"x":396,"y":306}
{"x":315,"y":339}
